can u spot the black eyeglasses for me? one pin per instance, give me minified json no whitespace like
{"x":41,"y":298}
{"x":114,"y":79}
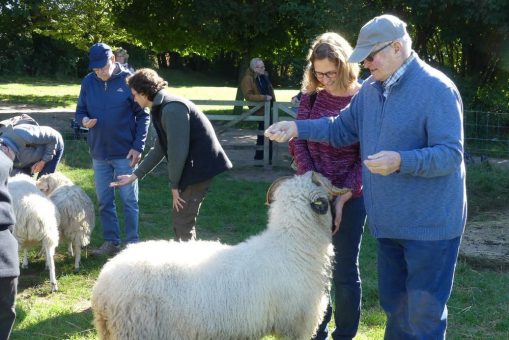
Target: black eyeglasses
{"x":328,"y":75}
{"x":372,"y":54}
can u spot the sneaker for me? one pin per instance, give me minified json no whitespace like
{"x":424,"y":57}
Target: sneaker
{"x":107,"y":249}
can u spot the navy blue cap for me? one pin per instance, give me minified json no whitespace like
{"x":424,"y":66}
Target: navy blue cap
{"x":99,"y":55}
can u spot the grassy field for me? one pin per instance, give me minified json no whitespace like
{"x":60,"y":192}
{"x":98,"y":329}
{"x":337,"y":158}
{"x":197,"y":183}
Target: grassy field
{"x":233,"y":210}
{"x":63,"y":94}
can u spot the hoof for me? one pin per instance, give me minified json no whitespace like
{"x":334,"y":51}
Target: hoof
{"x":54,"y":287}
{"x":76,"y":270}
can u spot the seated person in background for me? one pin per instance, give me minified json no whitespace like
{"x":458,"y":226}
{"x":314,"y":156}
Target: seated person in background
{"x":36,"y":148}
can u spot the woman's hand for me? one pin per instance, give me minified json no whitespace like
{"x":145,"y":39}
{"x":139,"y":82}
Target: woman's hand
{"x":124,"y":180}
{"x":178,"y":202}
{"x":338,"y":209}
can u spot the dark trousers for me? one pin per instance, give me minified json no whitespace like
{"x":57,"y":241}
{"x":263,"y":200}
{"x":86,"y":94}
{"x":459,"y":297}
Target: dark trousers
{"x":8,"y":290}
{"x":259,"y":143}
{"x":184,"y":220}
{"x":346,"y":275}
{"x":51,"y":166}
{"x":415,"y":280}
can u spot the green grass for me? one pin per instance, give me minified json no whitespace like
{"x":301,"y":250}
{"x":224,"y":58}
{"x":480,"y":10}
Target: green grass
{"x":50,"y":93}
{"x":233,"y":210}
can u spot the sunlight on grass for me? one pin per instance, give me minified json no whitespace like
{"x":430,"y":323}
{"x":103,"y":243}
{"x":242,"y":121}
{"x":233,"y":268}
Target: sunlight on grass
{"x":52,"y":94}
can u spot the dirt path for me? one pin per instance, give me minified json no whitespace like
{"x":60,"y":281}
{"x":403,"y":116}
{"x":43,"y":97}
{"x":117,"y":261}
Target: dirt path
{"x":485,"y":243}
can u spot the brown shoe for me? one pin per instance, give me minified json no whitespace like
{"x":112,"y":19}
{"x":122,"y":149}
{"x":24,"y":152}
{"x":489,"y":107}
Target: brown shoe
{"x":107,"y":249}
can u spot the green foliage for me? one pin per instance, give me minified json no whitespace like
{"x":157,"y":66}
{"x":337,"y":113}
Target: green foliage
{"x":81,"y":23}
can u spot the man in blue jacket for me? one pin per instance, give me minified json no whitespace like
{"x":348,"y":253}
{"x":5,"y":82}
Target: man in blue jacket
{"x":116,"y":138}
{"x":408,"y":120}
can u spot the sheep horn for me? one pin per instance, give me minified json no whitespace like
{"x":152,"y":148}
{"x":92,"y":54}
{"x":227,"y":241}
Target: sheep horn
{"x":318,"y":179}
{"x":270,"y":192}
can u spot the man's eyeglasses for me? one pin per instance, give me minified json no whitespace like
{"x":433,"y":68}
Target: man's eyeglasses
{"x":372,"y":54}
{"x":328,"y":75}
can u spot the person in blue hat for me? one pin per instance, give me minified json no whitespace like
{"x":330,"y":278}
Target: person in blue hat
{"x":116,"y":138}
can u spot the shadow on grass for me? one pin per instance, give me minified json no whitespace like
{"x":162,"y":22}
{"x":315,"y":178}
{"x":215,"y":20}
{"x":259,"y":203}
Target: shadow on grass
{"x":41,"y":101}
{"x":69,"y":325}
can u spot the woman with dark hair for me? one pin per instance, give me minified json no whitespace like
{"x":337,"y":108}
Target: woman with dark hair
{"x":328,"y":85}
{"x":186,"y":138}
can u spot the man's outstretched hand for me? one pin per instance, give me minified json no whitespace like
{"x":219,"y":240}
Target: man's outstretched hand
{"x":282,"y":132}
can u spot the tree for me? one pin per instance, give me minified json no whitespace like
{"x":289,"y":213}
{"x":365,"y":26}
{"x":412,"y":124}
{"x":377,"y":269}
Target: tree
{"x":81,"y":23}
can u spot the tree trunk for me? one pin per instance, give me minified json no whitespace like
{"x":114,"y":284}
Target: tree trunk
{"x":244,"y":64}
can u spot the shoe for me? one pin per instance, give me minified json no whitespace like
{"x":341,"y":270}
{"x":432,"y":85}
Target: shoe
{"x":107,"y":249}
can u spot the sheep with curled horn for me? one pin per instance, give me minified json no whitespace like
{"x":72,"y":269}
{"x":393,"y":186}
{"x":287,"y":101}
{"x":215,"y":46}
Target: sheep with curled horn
{"x":272,"y":283}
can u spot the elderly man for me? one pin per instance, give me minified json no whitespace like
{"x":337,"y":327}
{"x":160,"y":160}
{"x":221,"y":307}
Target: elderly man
{"x":116,"y":138}
{"x":408,"y":120}
{"x":256,"y":87}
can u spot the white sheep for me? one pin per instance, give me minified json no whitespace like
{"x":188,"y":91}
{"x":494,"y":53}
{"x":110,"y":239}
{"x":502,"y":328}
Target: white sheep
{"x":77,"y":215}
{"x":273,"y":283}
{"x":36,"y":221}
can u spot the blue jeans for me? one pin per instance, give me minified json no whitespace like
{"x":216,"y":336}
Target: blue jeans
{"x":104,"y":173}
{"x":346,"y":276}
{"x":51,"y":166}
{"x":415,"y":281}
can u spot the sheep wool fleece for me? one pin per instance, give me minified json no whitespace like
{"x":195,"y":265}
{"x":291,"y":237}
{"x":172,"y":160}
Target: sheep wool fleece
{"x":426,"y":199}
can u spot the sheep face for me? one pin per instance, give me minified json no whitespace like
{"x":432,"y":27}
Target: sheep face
{"x":310,"y":190}
{"x":50,"y":182}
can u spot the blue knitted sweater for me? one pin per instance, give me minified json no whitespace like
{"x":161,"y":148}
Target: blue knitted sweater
{"x":421,"y":118}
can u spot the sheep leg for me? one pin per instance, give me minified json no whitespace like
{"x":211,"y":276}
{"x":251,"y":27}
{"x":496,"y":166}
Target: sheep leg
{"x":24,"y":265}
{"x":69,"y":249}
{"x":77,"y":254}
{"x":50,"y":252}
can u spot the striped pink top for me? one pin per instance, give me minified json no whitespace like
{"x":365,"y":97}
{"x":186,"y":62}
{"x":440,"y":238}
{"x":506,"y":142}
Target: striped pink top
{"x":342,"y":166}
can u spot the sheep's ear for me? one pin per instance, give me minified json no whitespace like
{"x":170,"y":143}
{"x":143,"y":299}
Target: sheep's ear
{"x":319,"y":180}
{"x":269,"y":197}
{"x":320,"y":206}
